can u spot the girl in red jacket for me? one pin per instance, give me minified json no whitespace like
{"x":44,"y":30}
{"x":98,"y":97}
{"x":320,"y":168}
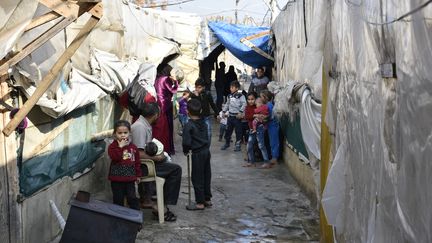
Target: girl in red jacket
{"x":125,"y":166}
{"x":249,"y":117}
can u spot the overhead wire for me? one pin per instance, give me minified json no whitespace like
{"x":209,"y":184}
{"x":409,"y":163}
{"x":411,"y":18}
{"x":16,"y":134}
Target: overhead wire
{"x":170,"y":4}
{"x":400,"y":18}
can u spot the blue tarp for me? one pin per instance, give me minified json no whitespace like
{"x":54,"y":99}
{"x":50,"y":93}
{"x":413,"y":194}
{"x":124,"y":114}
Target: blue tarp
{"x":230,"y":35}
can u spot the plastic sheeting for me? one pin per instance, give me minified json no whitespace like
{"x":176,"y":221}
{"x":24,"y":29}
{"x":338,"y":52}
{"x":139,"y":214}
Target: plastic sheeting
{"x":299,"y":43}
{"x":294,"y":98}
{"x":117,"y":32}
{"x":310,"y":121}
{"x":71,"y":152}
{"x":14,"y":17}
{"x":110,"y":75}
{"x":230,"y":35}
{"x":383,"y":122}
{"x":126,"y":31}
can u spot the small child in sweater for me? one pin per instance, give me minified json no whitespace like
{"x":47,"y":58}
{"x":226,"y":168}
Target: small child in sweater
{"x":223,"y":123}
{"x":183,"y":117}
{"x":260,"y":114}
{"x":125,"y":168}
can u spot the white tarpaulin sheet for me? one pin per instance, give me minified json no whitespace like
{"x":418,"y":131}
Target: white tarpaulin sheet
{"x":377,"y":190}
{"x":126,"y":31}
{"x":110,"y":75}
{"x":14,"y":17}
{"x":299,"y":51}
{"x":384,"y":123}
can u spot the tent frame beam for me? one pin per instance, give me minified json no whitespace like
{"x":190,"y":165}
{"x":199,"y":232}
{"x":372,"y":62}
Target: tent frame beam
{"x":95,"y":10}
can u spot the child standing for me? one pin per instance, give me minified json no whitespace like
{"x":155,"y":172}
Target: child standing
{"x":259,"y":128}
{"x":195,"y":139}
{"x":260,"y":114}
{"x":183,"y":108}
{"x":125,"y":166}
{"x":249,"y":117}
{"x":206,"y":102}
{"x":223,"y":123}
{"x":236,"y":104}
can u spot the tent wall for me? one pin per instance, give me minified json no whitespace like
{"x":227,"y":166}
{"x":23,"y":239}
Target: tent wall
{"x":298,"y":42}
{"x":382,"y":120}
{"x":379,"y":111}
{"x":38,"y":220}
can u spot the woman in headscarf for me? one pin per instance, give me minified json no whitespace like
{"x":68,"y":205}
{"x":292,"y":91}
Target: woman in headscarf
{"x":166,"y":85}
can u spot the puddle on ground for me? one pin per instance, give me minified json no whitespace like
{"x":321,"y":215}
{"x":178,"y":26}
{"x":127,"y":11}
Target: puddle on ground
{"x":248,"y":223}
{"x":247,"y":232}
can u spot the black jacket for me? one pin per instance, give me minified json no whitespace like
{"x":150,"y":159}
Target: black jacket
{"x":206,"y":101}
{"x":195,"y":136}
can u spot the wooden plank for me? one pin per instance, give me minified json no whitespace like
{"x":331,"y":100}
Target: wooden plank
{"x":35,"y":44}
{"x":48,"y":139}
{"x":42,"y":20}
{"x":15,"y":219}
{"x":47,"y":80}
{"x":256,"y":49}
{"x":4,"y":198}
{"x":258,"y":35}
{"x":101,"y":135}
{"x":64,"y":8}
{"x":89,"y":1}
{"x":97,"y":10}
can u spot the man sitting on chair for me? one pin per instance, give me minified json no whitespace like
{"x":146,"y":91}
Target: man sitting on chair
{"x":141,"y":135}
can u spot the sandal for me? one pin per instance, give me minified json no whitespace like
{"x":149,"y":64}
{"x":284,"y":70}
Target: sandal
{"x":247,"y":165}
{"x":266,"y":166}
{"x":168,"y":216}
{"x":194,"y":207}
{"x":208,"y":204}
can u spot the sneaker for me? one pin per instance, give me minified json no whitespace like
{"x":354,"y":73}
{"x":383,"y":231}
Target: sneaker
{"x":225,"y":146}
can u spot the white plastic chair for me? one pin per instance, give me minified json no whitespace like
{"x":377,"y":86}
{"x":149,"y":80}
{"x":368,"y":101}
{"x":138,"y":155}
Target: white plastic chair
{"x":159,"y":186}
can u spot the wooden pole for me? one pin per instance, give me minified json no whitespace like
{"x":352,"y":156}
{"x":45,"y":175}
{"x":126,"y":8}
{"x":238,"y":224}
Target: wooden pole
{"x":4,"y":202}
{"x":326,"y":231}
{"x":101,"y":135}
{"x":47,"y":80}
{"x":42,"y":20}
{"x":35,"y":44}
{"x":11,"y":219}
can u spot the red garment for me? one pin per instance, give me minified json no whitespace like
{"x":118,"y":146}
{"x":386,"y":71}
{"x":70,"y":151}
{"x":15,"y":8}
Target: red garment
{"x":249,"y":112}
{"x":262,"y":110}
{"x":147,"y":99}
{"x":125,"y":163}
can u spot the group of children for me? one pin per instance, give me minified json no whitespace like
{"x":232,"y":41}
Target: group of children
{"x":248,"y":118}
{"x":251,"y":119}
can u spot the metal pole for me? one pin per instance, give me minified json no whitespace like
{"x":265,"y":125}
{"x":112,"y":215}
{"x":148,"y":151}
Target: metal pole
{"x":189,"y":159}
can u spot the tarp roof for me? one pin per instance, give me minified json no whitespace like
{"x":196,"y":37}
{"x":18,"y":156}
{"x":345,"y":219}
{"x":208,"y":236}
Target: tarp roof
{"x":230,"y":35}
